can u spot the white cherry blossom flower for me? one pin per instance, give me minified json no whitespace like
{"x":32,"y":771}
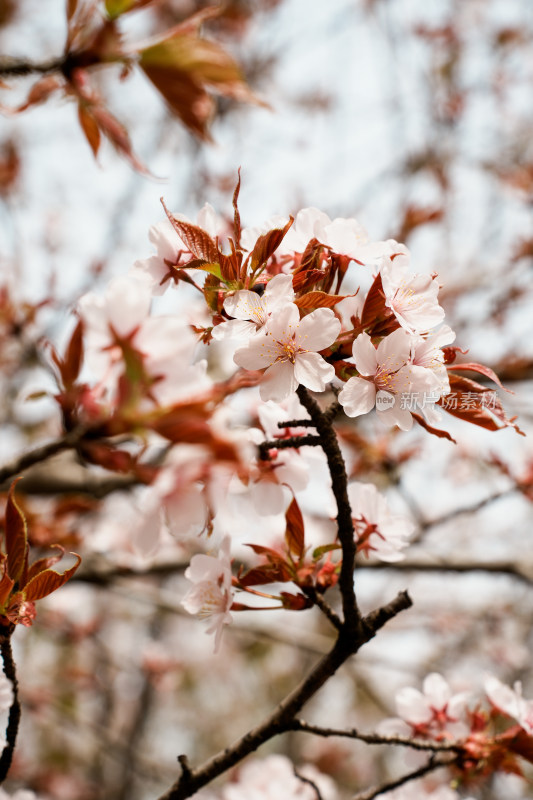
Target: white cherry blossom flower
{"x":166,"y":343}
{"x":251,"y":311}
{"x":212,"y":594}
{"x":510,"y":702}
{"x":273,"y":778}
{"x":376,"y":529}
{"x":288,"y":349}
{"x":411,"y":297}
{"x":433,"y":713}
{"x":384,"y":371}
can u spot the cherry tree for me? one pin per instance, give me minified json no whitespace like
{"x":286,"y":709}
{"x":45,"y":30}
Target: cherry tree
{"x":228,"y":418}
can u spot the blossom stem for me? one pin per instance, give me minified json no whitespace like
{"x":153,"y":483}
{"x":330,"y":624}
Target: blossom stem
{"x":14,"y":712}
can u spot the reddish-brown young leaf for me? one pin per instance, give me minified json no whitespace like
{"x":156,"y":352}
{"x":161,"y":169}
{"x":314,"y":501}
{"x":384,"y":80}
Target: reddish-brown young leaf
{"x":195,"y":238}
{"x":521,"y":743}
{"x":450,"y":353}
{"x":16,"y":538}
{"x":89,"y":127}
{"x":45,"y":563}
{"x":295,"y":602}
{"x":267,"y":244}
{"x":318,"y":299}
{"x":482,"y":370}
{"x":118,"y":136}
{"x":374,"y":307}
{"x":48,"y":581}
{"x":6,"y":583}
{"x":71,"y":365}
{"x":39,"y":92}
{"x":294,"y":531}
{"x":468,"y":404}
{"x":304,"y":280}
{"x":267,"y":573}
{"x":236,"y":213}
{"x":435,"y":431}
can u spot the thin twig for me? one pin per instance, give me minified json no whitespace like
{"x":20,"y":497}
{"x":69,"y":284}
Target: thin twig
{"x":14,"y":712}
{"x":67,"y":442}
{"x":326,"y":609}
{"x":14,"y":67}
{"x":432,"y":765}
{"x":311,"y":440}
{"x":376,"y":738}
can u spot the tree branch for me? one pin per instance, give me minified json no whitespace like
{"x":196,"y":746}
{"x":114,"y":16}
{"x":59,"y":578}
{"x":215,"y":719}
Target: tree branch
{"x":67,"y":442}
{"x":337,"y":469}
{"x":432,"y":765}
{"x":375,"y":738}
{"x":14,"y":712}
{"x":15,"y":67}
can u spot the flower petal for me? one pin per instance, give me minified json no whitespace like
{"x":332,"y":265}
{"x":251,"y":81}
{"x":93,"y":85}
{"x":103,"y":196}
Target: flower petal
{"x":358,"y":397}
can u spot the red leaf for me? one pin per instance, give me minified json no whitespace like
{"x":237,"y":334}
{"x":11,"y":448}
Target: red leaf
{"x":318,"y":299}
{"x":45,"y":563}
{"x":435,"y":431}
{"x":118,"y":136}
{"x":267,"y":573}
{"x":38,"y":93}
{"x":450,"y":353}
{"x":16,"y":538}
{"x":522,"y":745}
{"x":6,"y":583}
{"x":466,"y":400}
{"x":295,"y":602}
{"x":482,"y":370}
{"x":267,"y":244}
{"x":374,"y":307}
{"x":90,"y":128}
{"x":48,"y":581}
{"x":294,"y":532}
{"x":236,"y":214}
{"x":195,"y":238}
{"x":304,"y":280}
{"x":71,"y":365}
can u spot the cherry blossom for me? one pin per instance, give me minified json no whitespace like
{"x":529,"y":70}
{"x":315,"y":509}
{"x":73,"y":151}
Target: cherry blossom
{"x":273,"y":778}
{"x":166,"y":343}
{"x":434,"y":713}
{"x":169,"y":245}
{"x":377,"y":530}
{"x":386,"y":378}
{"x":251,"y":311}
{"x":288,"y":348}
{"x":212,"y":593}
{"x":510,"y":702}
{"x":411,"y":297}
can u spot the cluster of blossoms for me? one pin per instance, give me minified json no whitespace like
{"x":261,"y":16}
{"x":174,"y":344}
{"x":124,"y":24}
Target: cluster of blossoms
{"x":273,"y":300}
{"x":492,"y":731}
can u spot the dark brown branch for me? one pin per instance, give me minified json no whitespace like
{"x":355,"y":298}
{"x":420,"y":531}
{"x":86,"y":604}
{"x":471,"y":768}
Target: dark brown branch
{"x":432,"y":765}
{"x":42,"y":453}
{"x":375,"y":738}
{"x":14,"y":712}
{"x":297,"y":423}
{"x":523,"y":572}
{"x":311,"y":440}
{"x":14,"y":67}
{"x":326,"y":609}
{"x":380,"y":616}
{"x":339,"y":480}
